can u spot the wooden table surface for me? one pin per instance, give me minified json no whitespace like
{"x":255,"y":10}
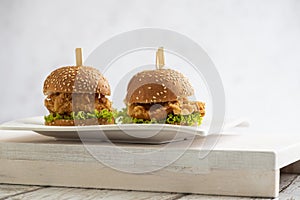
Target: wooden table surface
{"x":289,"y":189}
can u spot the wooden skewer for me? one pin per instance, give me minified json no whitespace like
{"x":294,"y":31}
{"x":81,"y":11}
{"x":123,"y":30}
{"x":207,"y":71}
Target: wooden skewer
{"x":78,"y":56}
{"x":160,"y":58}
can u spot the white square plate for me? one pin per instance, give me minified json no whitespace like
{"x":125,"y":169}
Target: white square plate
{"x":129,"y":133}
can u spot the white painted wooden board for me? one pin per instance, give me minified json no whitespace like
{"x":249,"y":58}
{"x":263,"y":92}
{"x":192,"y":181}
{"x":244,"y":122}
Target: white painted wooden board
{"x":13,"y":192}
{"x":205,"y":197}
{"x":242,"y":183}
{"x":244,"y":165}
{"x":286,"y":181}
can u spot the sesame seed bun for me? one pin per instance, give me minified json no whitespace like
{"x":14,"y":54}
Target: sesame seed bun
{"x":85,"y":122}
{"x":76,"y":79}
{"x":161,"y":85}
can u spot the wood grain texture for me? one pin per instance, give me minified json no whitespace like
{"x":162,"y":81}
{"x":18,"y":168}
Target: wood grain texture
{"x":189,"y":162}
{"x":238,"y":151}
{"x":293,"y":168}
{"x":286,"y":180}
{"x":293,"y":188}
{"x":226,"y":182}
{"x":91,"y":194}
{"x":205,"y":197}
{"x":8,"y":190}
{"x":241,"y":164}
{"x":288,"y":186}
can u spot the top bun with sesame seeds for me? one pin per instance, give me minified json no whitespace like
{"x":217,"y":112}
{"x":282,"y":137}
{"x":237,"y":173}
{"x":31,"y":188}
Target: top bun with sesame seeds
{"x":155,"y":86}
{"x":76,"y":79}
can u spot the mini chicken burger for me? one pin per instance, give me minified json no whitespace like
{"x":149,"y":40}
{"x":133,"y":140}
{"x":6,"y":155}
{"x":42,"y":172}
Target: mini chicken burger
{"x":161,"y":96}
{"x":76,"y":95}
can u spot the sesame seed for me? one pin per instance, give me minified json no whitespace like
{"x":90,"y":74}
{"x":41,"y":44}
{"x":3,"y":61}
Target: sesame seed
{"x":139,"y":91}
{"x":137,"y":98}
{"x":154,"y":97}
{"x":157,"y":93}
{"x":149,"y":88}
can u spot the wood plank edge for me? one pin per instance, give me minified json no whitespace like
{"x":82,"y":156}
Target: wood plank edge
{"x":24,"y":192}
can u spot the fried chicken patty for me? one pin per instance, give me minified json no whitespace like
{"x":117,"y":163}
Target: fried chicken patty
{"x":65,"y":103}
{"x":161,"y":110}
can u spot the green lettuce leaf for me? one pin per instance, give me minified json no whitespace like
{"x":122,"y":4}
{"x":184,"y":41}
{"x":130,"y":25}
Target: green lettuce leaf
{"x":189,"y":120}
{"x":81,"y":115}
{"x":122,"y":117}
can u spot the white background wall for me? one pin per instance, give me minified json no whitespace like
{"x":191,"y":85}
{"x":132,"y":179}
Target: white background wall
{"x":255,"y":45}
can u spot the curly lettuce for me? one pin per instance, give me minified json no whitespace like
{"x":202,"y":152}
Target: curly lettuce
{"x":81,"y":115}
{"x":122,"y":117}
{"x":193,"y":119}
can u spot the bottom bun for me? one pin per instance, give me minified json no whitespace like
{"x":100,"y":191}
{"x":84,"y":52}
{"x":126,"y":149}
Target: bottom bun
{"x":78,"y":122}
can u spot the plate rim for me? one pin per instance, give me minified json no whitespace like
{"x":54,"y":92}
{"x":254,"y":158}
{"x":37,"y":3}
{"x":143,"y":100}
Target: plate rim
{"x":18,"y":125}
